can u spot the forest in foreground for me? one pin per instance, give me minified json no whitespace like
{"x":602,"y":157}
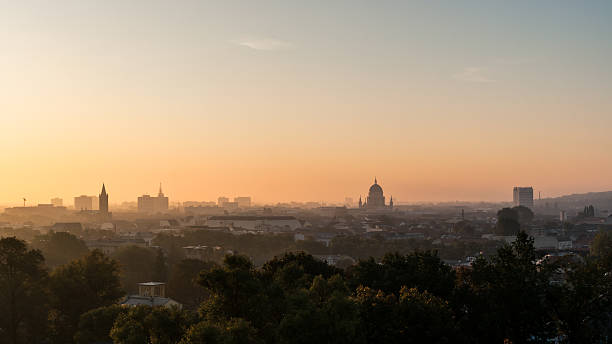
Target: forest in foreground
{"x":509,"y":297}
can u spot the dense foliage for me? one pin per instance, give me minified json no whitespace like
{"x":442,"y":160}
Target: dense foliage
{"x":294,"y":298}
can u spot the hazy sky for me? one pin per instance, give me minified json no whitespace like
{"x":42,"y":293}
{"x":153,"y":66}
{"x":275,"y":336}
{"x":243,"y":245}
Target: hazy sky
{"x":304,"y":100}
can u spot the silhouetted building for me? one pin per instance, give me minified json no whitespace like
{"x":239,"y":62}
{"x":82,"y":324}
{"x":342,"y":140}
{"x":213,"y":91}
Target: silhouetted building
{"x":523,"y":196}
{"x":94,"y":203}
{"x":230,"y":205}
{"x":47,"y":210}
{"x":103,"y":201}
{"x":375,"y":199}
{"x":243,"y":202}
{"x":70,"y":227}
{"x":83,"y":203}
{"x":222,"y":200}
{"x":206,"y":253}
{"x":148,"y":204}
{"x":57,"y":202}
{"x":256,"y":223}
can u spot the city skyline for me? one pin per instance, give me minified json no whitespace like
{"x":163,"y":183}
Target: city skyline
{"x":296,"y":101}
{"x":93,"y":199}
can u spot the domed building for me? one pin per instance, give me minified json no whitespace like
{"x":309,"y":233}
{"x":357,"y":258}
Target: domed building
{"x":376,"y":198}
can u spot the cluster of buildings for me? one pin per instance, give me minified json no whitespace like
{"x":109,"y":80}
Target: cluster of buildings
{"x":151,"y":204}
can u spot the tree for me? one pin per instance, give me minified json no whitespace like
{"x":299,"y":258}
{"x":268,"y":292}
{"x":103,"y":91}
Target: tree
{"x":82,"y":285}
{"x":525,"y":215}
{"x":234,"y":287}
{"x":414,"y":317}
{"x":160,"y":267}
{"x":602,"y":246}
{"x":464,"y":228}
{"x":505,"y":296}
{"x":427,"y":318}
{"x":322,"y":313}
{"x":167,"y":325}
{"x":154,"y":325}
{"x":232,"y":331}
{"x":508,"y":222}
{"x":22,"y":295}
{"x":137,"y":266}
{"x":128,"y":330}
{"x":95,"y":325}
{"x":581,"y":302}
{"x":423,"y":270}
{"x":60,"y":247}
{"x":297,"y":270}
{"x":589,"y":211}
{"x":183,"y":282}
{"x":378,"y":312}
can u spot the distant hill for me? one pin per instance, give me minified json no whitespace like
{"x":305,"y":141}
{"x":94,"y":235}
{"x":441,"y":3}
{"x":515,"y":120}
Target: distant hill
{"x":602,"y":201}
{"x":604,"y":195}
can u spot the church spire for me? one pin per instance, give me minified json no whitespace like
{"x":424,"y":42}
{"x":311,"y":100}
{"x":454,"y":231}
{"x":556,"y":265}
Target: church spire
{"x":103,"y":202}
{"x":160,"y":194}
{"x":375,"y":181}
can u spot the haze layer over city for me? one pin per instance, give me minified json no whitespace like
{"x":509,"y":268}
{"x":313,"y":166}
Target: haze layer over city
{"x":296,"y":172}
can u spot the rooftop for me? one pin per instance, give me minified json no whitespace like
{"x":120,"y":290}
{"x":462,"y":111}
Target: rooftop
{"x":151,"y":283}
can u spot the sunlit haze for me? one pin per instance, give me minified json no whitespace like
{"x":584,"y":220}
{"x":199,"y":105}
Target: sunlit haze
{"x":304,"y":101}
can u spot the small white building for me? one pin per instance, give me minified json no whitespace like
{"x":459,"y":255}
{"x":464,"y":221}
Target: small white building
{"x":151,"y":294}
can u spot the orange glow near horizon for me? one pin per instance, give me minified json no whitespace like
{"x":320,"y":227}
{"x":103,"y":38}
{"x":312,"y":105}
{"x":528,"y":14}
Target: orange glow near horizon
{"x":212,"y":101}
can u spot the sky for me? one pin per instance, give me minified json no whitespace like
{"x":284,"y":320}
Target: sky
{"x":304,"y":100}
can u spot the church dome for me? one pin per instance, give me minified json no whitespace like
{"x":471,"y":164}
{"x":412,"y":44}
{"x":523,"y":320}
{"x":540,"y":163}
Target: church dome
{"x":375,"y":188}
{"x":376,"y":198}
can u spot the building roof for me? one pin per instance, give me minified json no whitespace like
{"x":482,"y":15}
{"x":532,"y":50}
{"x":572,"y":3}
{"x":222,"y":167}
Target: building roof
{"x":67,"y":226}
{"x":251,"y":218}
{"x":151,"y":283}
{"x":137,"y":300}
{"x":375,"y":188}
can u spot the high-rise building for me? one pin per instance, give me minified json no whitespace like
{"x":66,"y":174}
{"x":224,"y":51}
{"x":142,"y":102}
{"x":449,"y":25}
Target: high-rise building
{"x":95,"y":205}
{"x":148,"y":204}
{"x":83,"y":203}
{"x":57,"y":202}
{"x":222,"y":200}
{"x":523,"y":196}
{"x":243,"y":202}
{"x":103,"y":201}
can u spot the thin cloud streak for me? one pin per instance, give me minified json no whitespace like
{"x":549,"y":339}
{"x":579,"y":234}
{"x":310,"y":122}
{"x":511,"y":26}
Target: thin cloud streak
{"x":264,"y":44}
{"x":514,"y":61}
{"x":473,"y":74}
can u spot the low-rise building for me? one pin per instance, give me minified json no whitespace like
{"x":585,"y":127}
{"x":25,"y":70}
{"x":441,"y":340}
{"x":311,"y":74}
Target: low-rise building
{"x":109,"y":246}
{"x":150,"y":294}
{"x":206,"y":253}
{"x":333,"y":259}
{"x":256,"y":223}
{"x":45,"y":210}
